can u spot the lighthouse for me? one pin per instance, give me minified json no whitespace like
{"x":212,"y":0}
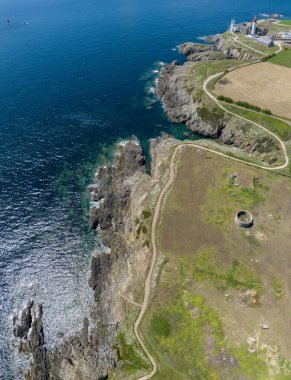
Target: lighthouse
{"x":232,"y":25}
{"x":254,"y":27}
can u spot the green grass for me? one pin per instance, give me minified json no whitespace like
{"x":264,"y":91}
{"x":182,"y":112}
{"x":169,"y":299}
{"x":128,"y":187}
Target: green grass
{"x":251,"y":365}
{"x":205,"y":267}
{"x":160,"y":325}
{"x":243,"y":104}
{"x":277,"y":288}
{"x":184,"y":346}
{"x":280,"y":128}
{"x":184,"y":350}
{"x":283,"y":58}
{"x":226,"y":198}
{"x":285,"y":22}
{"x":129,"y":356}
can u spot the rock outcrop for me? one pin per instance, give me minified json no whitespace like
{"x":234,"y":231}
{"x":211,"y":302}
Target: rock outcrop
{"x":199,"y":52}
{"x":218,"y":47}
{"x":181,"y":107}
{"x":179,"y":104}
{"x":90,"y":354}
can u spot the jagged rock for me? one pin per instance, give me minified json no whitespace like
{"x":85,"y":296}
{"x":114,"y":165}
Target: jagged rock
{"x":189,"y":48}
{"x":85,"y":331}
{"x":232,"y":52}
{"x":179,"y":103}
{"x":21,"y":329}
{"x":90,"y":354}
{"x":181,"y":107}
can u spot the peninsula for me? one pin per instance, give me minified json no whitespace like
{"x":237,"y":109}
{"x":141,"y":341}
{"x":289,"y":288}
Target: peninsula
{"x":185,"y":287}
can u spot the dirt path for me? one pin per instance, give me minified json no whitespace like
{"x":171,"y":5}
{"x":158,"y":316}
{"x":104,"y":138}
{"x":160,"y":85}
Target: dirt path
{"x":249,"y":121}
{"x":147,"y":287}
{"x":235,"y":38}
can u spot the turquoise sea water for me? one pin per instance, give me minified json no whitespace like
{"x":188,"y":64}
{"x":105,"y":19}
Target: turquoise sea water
{"x":75,"y":76}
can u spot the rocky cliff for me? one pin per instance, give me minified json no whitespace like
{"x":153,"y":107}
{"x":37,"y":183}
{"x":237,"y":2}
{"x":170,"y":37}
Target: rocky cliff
{"x":218,"y":47}
{"x":115,"y":269}
{"x":203,"y":117}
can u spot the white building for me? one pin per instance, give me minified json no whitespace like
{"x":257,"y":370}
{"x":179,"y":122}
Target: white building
{"x":254,"y":27}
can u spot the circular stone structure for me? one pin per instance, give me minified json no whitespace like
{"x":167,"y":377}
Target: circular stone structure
{"x":244,"y":219}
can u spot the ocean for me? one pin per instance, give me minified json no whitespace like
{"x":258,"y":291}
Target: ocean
{"x":75,"y":77}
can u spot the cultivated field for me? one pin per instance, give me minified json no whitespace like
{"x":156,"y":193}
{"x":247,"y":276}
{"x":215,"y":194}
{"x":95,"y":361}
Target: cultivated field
{"x":263,"y":84}
{"x":219,"y":283}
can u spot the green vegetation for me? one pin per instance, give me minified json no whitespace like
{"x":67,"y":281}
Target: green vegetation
{"x":244,"y":104}
{"x":147,"y":214}
{"x":192,"y":346}
{"x":205,"y":267}
{"x":277,"y":288}
{"x":128,"y":354}
{"x":251,"y":44}
{"x":160,"y":325}
{"x":279,"y":127}
{"x":251,"y":365}
{"x":285,"y":22}
{"x":144,"y":224}
{"x":190,"y":320}
{"x":265,"y":59}
{"x":227,"y":198}
{"x":210,"y":115}
{"x":283,"y":58}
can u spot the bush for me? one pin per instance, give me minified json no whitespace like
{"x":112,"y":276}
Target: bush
{"x":161,"y":326}
{"x":225,"y":99}
{"x":265,"y":59}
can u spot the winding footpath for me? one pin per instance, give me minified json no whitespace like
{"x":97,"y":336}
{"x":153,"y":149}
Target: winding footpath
{"x":235,"y":38}
{"x":147,"y":287}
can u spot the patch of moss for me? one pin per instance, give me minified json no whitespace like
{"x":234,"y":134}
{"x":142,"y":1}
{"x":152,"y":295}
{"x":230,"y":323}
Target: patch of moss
{"x":160,"y":325}
{"x":230,"y":198}
{"x":128,"y":355}
{"x":147,"y":214}
{"x":277,"y":288}
{"x":184,"y":343}
{"x":250,"y":364}
{"x":211,"y":115}
{"x":183,"y":349}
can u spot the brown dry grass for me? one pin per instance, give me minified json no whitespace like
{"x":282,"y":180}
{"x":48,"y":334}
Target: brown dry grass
{"x":264,"y":84}
{"x":184,"y":231}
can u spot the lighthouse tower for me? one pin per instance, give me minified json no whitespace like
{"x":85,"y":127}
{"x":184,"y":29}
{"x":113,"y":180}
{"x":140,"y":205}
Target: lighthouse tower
{"x":232,"y":25}
{"x":254,"y":27}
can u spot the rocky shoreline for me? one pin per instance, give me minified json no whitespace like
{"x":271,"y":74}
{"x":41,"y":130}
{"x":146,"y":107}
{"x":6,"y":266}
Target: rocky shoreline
{"x":91,"y":353}
{"x":181,"y":106}
{"x":122,"y":197}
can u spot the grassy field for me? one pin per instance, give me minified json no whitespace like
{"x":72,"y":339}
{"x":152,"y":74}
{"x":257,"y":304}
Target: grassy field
{"x":283,"y":58}
{"x":274,"y":28}
{"x":285,"y":22}
{"x":263,"y":84}
{"x":220,"y":282}
{"x":229,"y":42}
{"x":279,"y":127}
{"x":254,"y":44}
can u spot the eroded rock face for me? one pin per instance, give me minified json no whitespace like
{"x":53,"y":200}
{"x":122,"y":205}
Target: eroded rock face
{"x":181,"y":107}
{"x":233,"y":52}
{"x":199,"y":52}
{"x":22,"y":327}
{"x":179,"y":104}
{"x":90,"y":354}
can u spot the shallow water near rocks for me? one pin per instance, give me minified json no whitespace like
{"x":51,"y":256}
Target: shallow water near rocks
{"x":76,"y":76}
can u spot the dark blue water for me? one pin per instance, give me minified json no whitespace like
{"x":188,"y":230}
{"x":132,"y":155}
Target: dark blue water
{"x":74,"y":78}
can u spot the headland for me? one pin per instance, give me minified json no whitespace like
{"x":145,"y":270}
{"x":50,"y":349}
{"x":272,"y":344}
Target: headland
{"x":180,"y":290}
